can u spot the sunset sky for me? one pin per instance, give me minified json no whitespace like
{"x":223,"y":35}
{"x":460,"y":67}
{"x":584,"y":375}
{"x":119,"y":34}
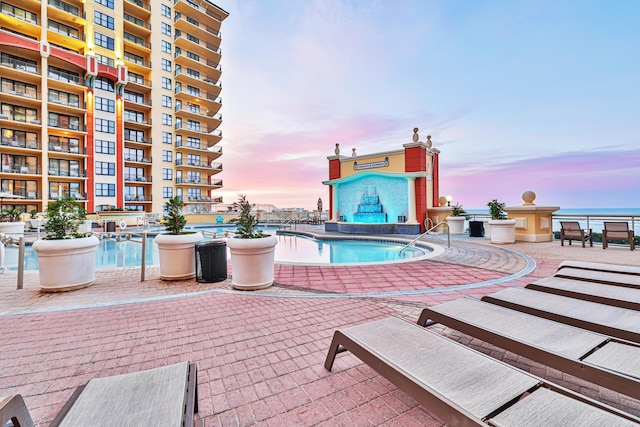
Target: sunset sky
{"x":517,"y":95}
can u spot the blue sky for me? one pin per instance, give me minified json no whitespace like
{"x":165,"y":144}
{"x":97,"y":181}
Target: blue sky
{"x":517,"y":95}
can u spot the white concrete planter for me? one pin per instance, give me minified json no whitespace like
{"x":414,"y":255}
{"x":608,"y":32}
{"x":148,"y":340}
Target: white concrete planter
{"x":177,"y":255}
{"x":252,"y":262}
{"x":487,"y":228}
{"x":65,"y":265}
{"x":456,"y":224}
{"x":13,"y":229}
{"x":503,"y":231}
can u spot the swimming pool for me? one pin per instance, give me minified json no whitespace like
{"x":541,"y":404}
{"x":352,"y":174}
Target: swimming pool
{"x":291,"y":249}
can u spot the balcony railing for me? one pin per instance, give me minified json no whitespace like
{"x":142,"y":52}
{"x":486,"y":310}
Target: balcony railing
{"x":68,"y":126}
{"x":141,"y":4}
{"x":20,"y":65}
{"x":141,"y":121}
{"x":13,"y":167}
{"x":209,"y":29}
{"x":20,"y":143}
{"x":137,"y":21}
{"x":199,"y":164}
{"x":139,"y":81}
{"x":138,"y":100}
{"x":129,"y":198}
{"x":200,"y":94}
{"x":69,"y":173}
{"x":18,"y":116}
{"x":138,"y":159}
{"x":65,"y":148}
{"x":64,"y":76}
{"x":18,"y":13}
{"x":136,"y":40}
{"x":66,"y":7}
{"x":137,"y":178}
{"x":60,"y":194}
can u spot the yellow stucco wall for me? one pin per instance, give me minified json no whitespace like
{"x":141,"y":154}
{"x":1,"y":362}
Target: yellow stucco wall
{"x":396,"y":163}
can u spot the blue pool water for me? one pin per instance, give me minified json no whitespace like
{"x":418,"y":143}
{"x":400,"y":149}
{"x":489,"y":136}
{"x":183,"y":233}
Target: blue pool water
{"x":291,"y":249}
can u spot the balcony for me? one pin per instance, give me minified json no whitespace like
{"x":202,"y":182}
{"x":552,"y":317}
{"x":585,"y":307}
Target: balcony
{"x":137,"y":122}
{"x":145,"y":160}
{"x":136,"y":140}
{"x":63,"y":124}
{"x":59,"y":147}
{"x":16,"y":168}
{"x":216,"y":166}
{"x":27,"y":71}
{"x":68,"y":173}
{"x":136,"y":62}
{"x":203,"y":12}
{"x":192,"y":26}
{"x":141,"y":179}
{"x":61,"y":10}
{"x":205,"y":99}
{"x":204,"y":66}
{"x":136,"y":25}
{"x":197,"y":45}
{"x":132,"y":198}
{"x":20,"y":143}
{"x":137,"y":43}
{"x":138,"y":83}
{"x":138,"y":8}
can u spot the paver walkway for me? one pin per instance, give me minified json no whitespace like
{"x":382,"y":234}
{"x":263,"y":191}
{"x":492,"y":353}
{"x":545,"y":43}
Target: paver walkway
{"x":260,"y":354}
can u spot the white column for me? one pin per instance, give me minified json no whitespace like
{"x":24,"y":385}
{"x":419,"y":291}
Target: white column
{"x":334,"y":202}
{"x":412,"y":200}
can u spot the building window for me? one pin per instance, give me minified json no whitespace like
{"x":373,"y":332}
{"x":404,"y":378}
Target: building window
{"x":104,"y":84}
{"x":105,"y":168}
{"x":134,"y":135}
{"x":166,"y":65}
{"x":105,"y":60}
{"x":104,"y":41}
{"x":167,"y":192}
{"x":167,"y":119}
{"x":107,"y":126}
{"x":108,"y":3}
{"x":167,"y":156}
{"x":167,"y":174}
{"x":166,"y":29}
{"x":105,"y":147}
{"x":167,"y":138}
{"x":104,"y":104}
{"x":166,"y":46}
{"x":166,"y":101}
{"x":166,"y":11}
{"x":105,"y":190}
{"x":103,"y":19}
{"x":166,"y":83}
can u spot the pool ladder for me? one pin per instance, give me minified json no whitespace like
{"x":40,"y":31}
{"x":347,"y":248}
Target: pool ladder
{"x":427,"y":222}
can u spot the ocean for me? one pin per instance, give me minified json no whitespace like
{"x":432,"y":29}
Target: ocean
{"x":592,"y":218}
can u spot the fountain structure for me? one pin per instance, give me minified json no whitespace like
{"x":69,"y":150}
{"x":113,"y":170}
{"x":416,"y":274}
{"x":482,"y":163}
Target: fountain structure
{"x":370,"y":209}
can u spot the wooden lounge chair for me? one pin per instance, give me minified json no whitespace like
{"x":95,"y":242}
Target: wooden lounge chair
{"x":597,"y":358}
{"x":12,"y":408}
{"x":571,"y":230}
{"x":606,"y":277}
{"x":603,"y":293}
{"x":617,"y":231}
{"x":605,"y":319}
{"x":600,"y":266}
{"x":462,"y":386}
{"x":165,"y":396}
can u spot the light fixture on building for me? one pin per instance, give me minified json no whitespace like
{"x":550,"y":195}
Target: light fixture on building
{"x":449,"y":199}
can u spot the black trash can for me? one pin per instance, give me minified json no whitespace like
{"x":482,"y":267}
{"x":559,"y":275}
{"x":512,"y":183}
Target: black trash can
{"x":476,"y":229}
{"x":211,"y":262}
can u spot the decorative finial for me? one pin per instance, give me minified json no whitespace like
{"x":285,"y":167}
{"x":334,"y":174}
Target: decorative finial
{"x":415,"y":134}
{"x":528,"y":197}
{"x":429,"y":143}
{"x":353,"y":152}
{"x":337,"y":150}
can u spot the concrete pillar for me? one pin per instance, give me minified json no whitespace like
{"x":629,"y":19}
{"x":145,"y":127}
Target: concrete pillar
{"x":411,"y":182}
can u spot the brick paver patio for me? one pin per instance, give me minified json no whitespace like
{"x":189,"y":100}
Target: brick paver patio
{"x":260,"y":354}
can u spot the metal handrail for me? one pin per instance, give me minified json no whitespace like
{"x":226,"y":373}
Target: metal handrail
{"x":13,"y":241}
{"x":428,"y":231}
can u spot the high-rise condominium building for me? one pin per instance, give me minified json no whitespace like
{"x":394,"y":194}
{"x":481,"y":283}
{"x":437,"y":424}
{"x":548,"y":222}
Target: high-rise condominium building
{"x":113,"y":102}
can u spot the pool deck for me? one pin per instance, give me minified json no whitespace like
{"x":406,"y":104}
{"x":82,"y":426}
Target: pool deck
{"x":260,"y":354}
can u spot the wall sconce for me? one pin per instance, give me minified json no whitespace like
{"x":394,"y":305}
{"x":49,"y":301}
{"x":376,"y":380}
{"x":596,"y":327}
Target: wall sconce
{"x":449,"y":199}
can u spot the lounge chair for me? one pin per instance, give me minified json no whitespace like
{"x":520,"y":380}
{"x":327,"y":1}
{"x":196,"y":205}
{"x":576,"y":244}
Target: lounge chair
{"x":617,"y":322}
{"x":12,"y":408}
{"x":602,"y":293}
{"x":600,"y":266}
{"x":571,"y":230}
{"x":165,"y":396}
{"x":617,"y":231}
{"x":597,"y":358}
{"x":606,"y":277}
{"x":463,"y":387}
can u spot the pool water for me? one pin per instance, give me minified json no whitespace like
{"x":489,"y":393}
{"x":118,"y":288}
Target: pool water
{"x":291,"y":249}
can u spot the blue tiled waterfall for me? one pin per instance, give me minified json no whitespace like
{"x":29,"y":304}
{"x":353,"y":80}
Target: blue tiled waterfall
{"x":370,"y":209}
